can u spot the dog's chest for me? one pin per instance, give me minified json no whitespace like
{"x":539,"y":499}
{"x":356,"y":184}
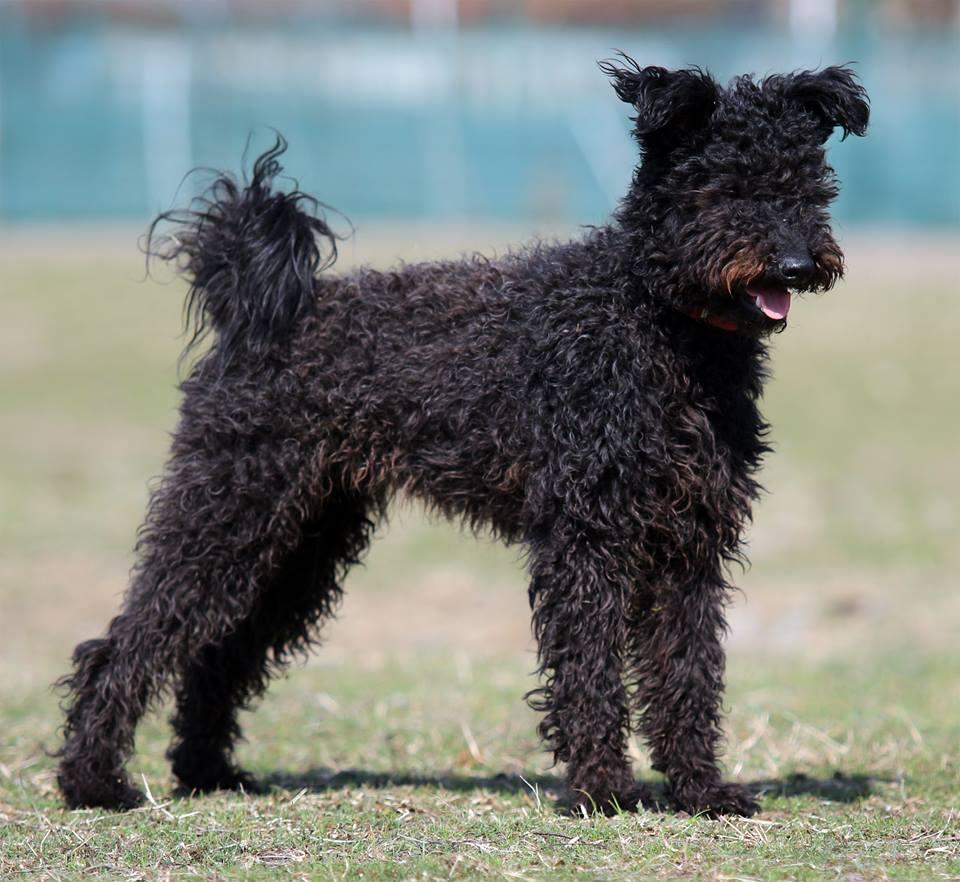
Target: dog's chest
{"x":700,"y":487}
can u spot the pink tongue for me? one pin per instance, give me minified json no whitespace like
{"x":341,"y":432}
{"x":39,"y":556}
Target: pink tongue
{"x":775,"y":302}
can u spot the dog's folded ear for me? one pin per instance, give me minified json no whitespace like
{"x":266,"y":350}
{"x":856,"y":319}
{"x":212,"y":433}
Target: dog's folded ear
{"x":669,"y":103}
{"x":834,"y":96}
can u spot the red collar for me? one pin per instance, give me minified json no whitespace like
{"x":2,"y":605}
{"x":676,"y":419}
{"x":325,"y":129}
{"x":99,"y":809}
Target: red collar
{"x":701,"y":314}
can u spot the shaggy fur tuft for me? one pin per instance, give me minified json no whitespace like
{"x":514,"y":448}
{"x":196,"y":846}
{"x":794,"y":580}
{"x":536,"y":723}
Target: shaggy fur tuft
{"x":595,"y":401}
{"x":250,"y":254}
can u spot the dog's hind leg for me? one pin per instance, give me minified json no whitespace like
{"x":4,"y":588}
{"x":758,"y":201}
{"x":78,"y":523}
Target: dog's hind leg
{"x":230,"y":510}
{"x":238,"y":493}
{"x":227,"y":676}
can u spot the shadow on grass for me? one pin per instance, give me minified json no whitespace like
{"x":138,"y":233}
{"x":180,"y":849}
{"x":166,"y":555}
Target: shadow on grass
{"x":837,"y":788}
{"x":321,"y":780}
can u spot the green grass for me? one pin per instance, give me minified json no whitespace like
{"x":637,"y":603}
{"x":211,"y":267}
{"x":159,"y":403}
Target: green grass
{"x":417,"y":760}
{"x":414,"y":770}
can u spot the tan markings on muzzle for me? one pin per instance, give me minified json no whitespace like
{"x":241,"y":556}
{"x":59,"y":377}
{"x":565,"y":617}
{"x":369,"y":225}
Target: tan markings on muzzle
{"x":829,"y":261}
{"x":740,"y":270}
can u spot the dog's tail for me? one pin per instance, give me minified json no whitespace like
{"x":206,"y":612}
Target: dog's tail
{"x":251,"y":255}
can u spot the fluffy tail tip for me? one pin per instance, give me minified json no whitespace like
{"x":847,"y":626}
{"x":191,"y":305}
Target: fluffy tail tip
{"x":250,"y":254}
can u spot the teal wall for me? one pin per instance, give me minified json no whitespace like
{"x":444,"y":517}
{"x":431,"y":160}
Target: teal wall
{"x":101,"y":122}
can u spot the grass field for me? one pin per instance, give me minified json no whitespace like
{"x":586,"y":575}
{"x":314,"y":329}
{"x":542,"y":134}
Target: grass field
{"x":402,"y":750}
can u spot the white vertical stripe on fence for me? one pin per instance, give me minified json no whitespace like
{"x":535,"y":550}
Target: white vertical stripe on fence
{"x":167,"y":151}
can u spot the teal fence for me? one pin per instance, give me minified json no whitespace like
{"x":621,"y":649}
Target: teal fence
{"x":101,"y":121}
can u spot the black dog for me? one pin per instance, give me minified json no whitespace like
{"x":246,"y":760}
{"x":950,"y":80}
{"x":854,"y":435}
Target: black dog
{"x":595,"y":401}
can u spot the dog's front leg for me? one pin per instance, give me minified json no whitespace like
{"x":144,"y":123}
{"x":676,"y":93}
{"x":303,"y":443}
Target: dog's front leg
{"x":678,"y":667}
{"x":579,"y":596}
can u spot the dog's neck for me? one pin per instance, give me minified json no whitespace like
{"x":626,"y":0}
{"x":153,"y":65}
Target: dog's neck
{"x":631,"y":266}
{"x":626,"y":259}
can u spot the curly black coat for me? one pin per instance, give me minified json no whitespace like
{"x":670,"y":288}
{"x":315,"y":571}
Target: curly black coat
{"x":595,"y":401}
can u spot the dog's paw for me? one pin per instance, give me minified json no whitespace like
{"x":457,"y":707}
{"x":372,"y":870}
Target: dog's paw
{"x":239,"y":780}
{"x":112,"y":792}
{"x":715,"y":800}
{"x":607,"y":802}
{"x":218,"y":776}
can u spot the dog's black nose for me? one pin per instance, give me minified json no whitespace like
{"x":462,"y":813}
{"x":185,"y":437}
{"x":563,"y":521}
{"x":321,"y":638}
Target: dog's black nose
{"x":797,"y":268}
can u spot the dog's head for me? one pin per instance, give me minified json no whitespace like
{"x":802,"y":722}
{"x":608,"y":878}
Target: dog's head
{"x":730,"y":200}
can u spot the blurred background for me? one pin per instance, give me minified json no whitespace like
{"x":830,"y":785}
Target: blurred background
{"x":438,"y":109}
{"x":439,"y":126}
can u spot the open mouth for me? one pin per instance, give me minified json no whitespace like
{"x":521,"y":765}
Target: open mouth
{"x":756,"y":308}
{"x":761,"y":307}
{"x":772,"y":300}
